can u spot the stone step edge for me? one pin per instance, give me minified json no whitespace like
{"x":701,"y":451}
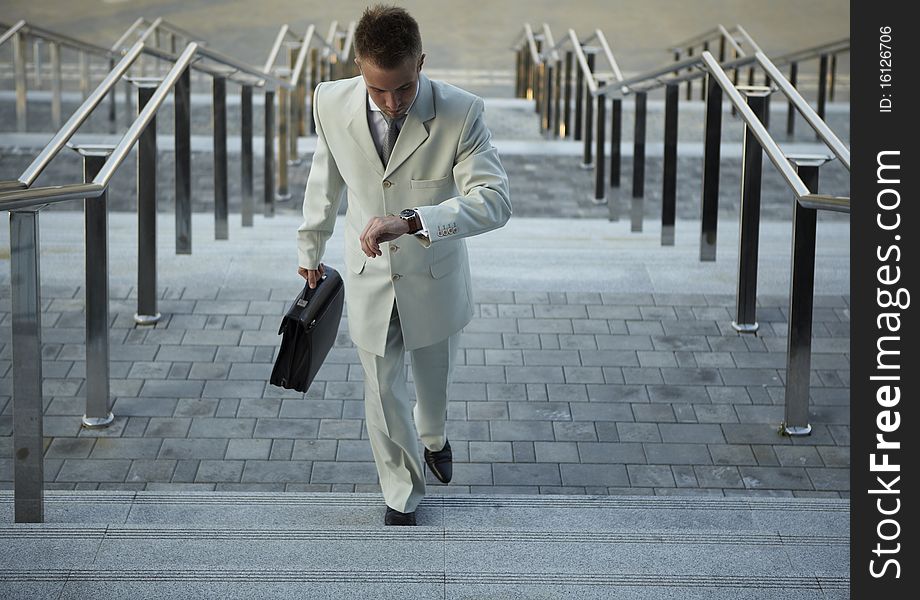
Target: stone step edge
{"x":216,"y":575}
{"x":443,"y":501}
{"x":56,"y":531}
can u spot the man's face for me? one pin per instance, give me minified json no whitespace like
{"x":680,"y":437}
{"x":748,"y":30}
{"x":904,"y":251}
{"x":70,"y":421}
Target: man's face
{"x":391,"y":89}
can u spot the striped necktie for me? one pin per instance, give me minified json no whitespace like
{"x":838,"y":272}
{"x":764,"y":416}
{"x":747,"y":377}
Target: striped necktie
{"x":389,"y":140}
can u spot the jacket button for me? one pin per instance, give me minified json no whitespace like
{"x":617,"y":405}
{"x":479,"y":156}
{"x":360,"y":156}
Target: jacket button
{"x":387,"y":183}
{"x":393,"y":248}
{"x":396,"y":276}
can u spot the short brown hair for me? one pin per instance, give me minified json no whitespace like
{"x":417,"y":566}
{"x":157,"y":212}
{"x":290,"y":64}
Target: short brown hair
{"x":387,"y":36}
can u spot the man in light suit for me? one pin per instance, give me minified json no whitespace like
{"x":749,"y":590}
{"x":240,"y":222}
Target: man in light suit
{"x":417,"y":164}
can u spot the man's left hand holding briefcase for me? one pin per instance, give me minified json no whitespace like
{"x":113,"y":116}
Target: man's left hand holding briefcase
{"x":309,"y":329}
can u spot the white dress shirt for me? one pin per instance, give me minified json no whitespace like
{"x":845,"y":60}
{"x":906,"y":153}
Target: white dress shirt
{"x":378,"y":125}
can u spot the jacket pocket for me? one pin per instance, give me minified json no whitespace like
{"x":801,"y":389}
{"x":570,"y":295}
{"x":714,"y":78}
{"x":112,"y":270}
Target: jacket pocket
{"x":429,"y":183}
{"x":355,"y":260}
{"x":443,"y":266}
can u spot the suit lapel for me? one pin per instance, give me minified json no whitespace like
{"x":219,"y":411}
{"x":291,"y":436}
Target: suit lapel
{"x":359,"y":128}
{"x":415,"y":129}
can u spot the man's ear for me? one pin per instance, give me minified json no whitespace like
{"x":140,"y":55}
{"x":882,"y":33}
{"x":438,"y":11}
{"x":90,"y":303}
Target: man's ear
{"x":421,"y":61}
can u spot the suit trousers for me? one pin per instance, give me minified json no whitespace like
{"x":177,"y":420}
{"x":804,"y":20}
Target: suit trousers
{"x":389,"y":419}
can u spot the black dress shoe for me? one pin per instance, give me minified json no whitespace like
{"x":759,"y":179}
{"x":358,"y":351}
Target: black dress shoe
{"x":440,"y":462}
{"x":394,"y":517}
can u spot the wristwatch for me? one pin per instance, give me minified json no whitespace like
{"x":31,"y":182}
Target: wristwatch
{"x":411,"y":217}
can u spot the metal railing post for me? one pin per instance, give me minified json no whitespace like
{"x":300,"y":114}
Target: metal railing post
{"x":557,"y":99}
{"x":616,"y":136}
{"x":546,"y":115}
{"x":54,"y":54}
{"x":269,"y":154}
{"x":579,"y":101}
{"x":703,"y":83}
{"x":284,"y":109}
{"x":183,"y":134}
{"x":37,"y":62}
{"x":822,"y":85}
{"x":147,"y":313}
{"x":519,"y":72}
{"x":600,"y":163}
{"x":833,"y":77}
{"x":709,"y":217}
{"x":749,"y":235}
{"x":790,"y":114}
{"x":589,"y":114}
{"x":296,"y":109}
{"x":689,"y":81}
{"x":113,"y":102}
{"x":669,"y":177}
{"x":19,"y":67}
{"x":99,"y":402}
{"x":538,"y":76}
{"x":314,"y":79}
{"x":565,"y":129}
{"x":247,"y":203}
{"x":801,"y":300}
{"x":28,"y":407}
{"x":221,"y":229}
{"x":638,"y":183}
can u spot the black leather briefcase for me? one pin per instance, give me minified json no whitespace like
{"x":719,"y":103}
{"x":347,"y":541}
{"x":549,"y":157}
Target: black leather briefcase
{"x":309,"y":330}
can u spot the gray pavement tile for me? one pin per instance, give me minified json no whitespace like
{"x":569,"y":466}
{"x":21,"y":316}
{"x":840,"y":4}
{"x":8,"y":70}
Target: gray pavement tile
{"x":214,"y":471}
{"x":344,"y":390}
{"x":281,"y":450}
{"x":521,"y":430}
{"x":678,"y":393}
{"x":607,"y":431}
{"x":542,"y":411}
{"x":340,"y":428}
{"x":684,"y":376}
{"x":611,"y":452}
{"x":556,"y":452}
{"x":273,"y":471}
{"x":783,"y":478}
{"x":149,"y":405}
{"x":652,"y":359}
{"x":759,"y":360}
{"x":798,"y":456}
{"x":759,"y":414}
{"x":193,"y":449}
{"x":209,"y":370}
{"x":259,"y":407}
{"x":114,"y":429}
{"x":487,"y":410}
{"x":468,"y":392}
{"x":520,"y":340}
{"x":544,"y":326}
{"x":196,"y":407}
{"x":576,"y":342}
{"x":732,"y":454}
{"x":642,"y":375}
{"x":227,"y":407}
{"x":180,"y":370}
{"x":594,"y":474}
{"x":657,"y":313}
{"x":650,"y":475}
{"x":343,"y":450}
{"x":526,"y":474}
{"x":585,"y":298}
{"x":494,"y":357}
{"x":835,"y":456}
{"x":601,"y":411}
{"x":132,"y":448}
{"x":506,"y":391}
{"x":612,"y":375}
{"x":715,"y":413}
{"x":829,"y":479}
{"x":234,"y":354}
{"x":466,"y":474}
{"x":495,"y":296}
{"x":59,"y":447}
{"x":475,"y":374}
{"x":309,"y":408}
{"x":221,"y":427}
{"x":233,"y":389}
{"x":692,"y":433}
{"x":655,"y":413}
{"x":494,"y":325}
{"x":549,"y":341}
{"x":516,"y":311}
{"x":93,"y":470}
{"x":149,"y":370}
{"x":242,"y":449}
{"x":649,"y":328}
{"x":221,"y":307}
{"x":765,"y":455}
{"x":492,"y":452}
{"x":753,"y":433}
{"x":354,"y":472}
{"x":523,"y":451}
{"x":684,"y":476}
{"x":590,"y":326}
{"x":715,"y":359}
{"x":567,"y":392}
{"x":545,"y":374}
{"x":467,"y":430}
{"x":718,"y":476}
{"x":174,"y":353}
{"x":172,"y":389}
{"x":576,"y":432}
{"x":638,"y":432}
{"x":684,"y":412}
{"x":617,"y":393}
{"x":677,"y":454}
{"x":609,"y":358}
{"x":286,"y":428}
{"x":481,"y":340}
{"x":143,"y":471}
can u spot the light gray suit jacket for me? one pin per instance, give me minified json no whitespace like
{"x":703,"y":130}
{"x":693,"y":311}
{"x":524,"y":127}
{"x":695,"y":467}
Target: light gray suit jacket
{"x":444,"y":165}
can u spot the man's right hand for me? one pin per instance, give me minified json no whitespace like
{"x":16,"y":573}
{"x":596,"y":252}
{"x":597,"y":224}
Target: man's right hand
{"x":312,"y":275}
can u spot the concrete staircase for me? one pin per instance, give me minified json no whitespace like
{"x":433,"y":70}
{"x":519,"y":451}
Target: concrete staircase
{"x":146,"y":544}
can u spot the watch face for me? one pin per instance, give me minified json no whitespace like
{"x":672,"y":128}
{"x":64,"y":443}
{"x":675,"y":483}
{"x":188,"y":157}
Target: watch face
{"x":407,"y":214}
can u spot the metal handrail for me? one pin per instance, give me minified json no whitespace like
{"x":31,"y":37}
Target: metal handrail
{"x":774,"y":153}
{"x":26,"y":28}
{"x":551,"y":52}
{"x":654,"y":75}
{"x":610,"y":59}
{"x":119,"y":43}
{"x":18,"y":199}
{"x":10,"y":30}
{"x":731,"y":39}
{"x":583,"y":62}
{"x":276,"y":48}
{"x":64,"y":134}
{"x":532,"y":45}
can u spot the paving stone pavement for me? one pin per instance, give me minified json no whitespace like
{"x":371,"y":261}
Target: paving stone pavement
{"x":555,"y":392}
